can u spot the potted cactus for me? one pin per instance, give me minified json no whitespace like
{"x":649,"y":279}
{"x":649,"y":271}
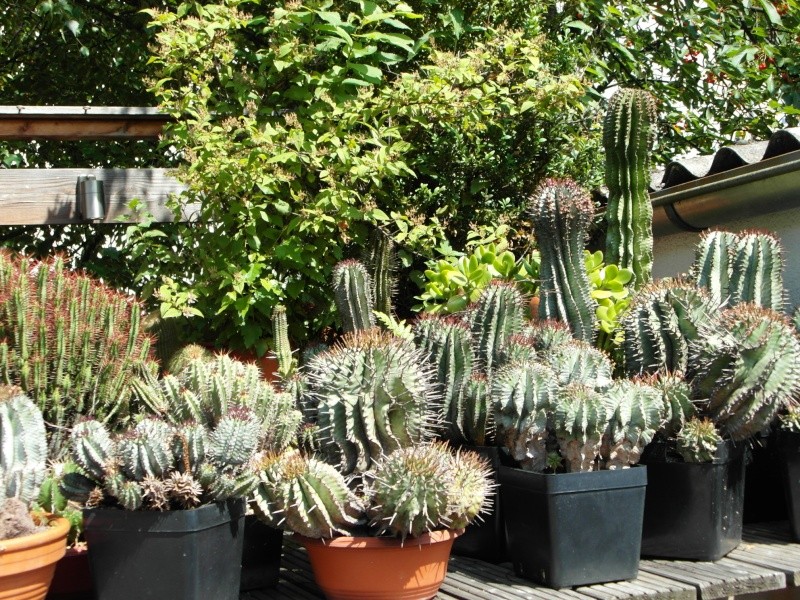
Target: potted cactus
{"x":30,"y":544}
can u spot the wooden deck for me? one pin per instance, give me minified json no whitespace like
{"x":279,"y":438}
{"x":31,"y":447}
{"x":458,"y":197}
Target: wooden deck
{"x":766,"y":561}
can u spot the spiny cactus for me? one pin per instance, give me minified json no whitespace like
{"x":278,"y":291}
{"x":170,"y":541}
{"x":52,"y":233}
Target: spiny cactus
{"x":72,"y":344}
{"x":352,"y":288}
{"x":186,"y":354}
{"x":629,"y":131}
{"x":579,"y":362}
{"x":306,"y":496}
{"x":380,"y":262}
{"x":519,"y":348}
{"x":637,"y":413}
{"x":159,"y":466}
{"x":561,"y":215}
{"x":280,"y":343}
{"x":661,"y":320}
{"x":580,"y":418}
{"x":23,"y":446}
{"x":522,"y":395}
{"x":744,"y":267}
{"x":373,"y":393}
{"x":206,"y":390}
{"x":676,"y":394}
{"x":477,"y":425}
{"x":796,"y":319}
{"x":698,"y":440}
{"x":747,"y":368}
{"x":496,"y":316}
{"x":547,"y":335}
{"x":447,"y":344}
{"x":417,"y":489}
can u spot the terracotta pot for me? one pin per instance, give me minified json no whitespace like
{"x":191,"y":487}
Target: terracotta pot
{"x":374,"y":568}
{"x":533,"y":307}
{"x":73,"y":578}
{"x":267,"y":363}
{"x":27,"y":564}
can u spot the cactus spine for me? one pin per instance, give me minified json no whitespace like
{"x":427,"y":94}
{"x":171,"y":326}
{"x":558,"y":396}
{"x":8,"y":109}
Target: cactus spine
{"x":380,"y":261}
{"x":562,"y":213}
{"x":496,"y":316}
{"x":580,"y":419}
{"x":23,"y":446}
{"x":280,"y":343}
{"x":638,"y":411}
{"x":353,"y":295}
{"x":697,"y":441}
{"x":629,"y":132}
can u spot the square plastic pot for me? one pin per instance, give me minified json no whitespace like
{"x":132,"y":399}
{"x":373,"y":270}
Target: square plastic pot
{"x":181,"y":555}
{"x":571,"y":529}
{"x":693,"y":511}
{"x":788,"y":446}
{"x":261,"y":555}
{"x":485,"y":539}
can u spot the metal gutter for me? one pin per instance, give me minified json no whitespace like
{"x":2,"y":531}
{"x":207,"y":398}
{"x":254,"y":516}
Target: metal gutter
{"x":763,"y":187}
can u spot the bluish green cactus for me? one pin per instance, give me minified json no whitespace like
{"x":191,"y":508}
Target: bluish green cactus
{"x":637,"y":412}
{"x":23,"y":446}
{"x":380,"y":262}
{"x":280,"y":343}
{"x":697,"y":441}
{"x":561,"y":215}
{"x":629,"y":132}
{"x":580,"y":420}
{"x":496,"y":316}
{"x":581,"y":363}
{"x":352,"y":287}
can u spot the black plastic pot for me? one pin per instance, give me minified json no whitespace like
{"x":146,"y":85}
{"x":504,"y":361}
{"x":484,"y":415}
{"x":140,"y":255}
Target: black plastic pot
{"x":573,"y":529}
{"x":485,"y":539}
{"x":764,"y":482}
{"x":693,"y":511}
{"x":788,"y":447}
{"x":261,"y":555}
{"x":181,"y":555}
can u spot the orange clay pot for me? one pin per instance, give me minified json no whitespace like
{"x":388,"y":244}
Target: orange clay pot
{"x":375,"y":568}
{"x":267,"y":363}
{"x":27,"y":564}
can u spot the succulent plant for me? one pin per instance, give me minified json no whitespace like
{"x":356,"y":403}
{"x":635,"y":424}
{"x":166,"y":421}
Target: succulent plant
{"x":496,"y":316}
{"x":352,"y":287}
{"x":380,"y":262}
{"x":287,"y":364}
{"x":746,"y":369}
{"x":158,"y":466}
{"x":307,"y":496}
{"x":373,"y":394}
{"x":744,"y":267}
{"x":638,"y":412}
{"x":71,"y":343}
{"x":676,"y":394}
{"x":186,"y":354}
{"x":522,"y":396}
{"x":471,"y":489}
{"x":547,"y":335}
{"x":579,"y":362}
{"x":477,"y":425}
{"x":580,"y":419}
{"x":629,"y":131}
{"x":661,"y":320}
{"x":697,"y":441}
{"x":561,"y":215}
{"x":23,"y":446}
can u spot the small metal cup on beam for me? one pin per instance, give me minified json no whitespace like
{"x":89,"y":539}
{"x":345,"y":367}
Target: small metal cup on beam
{"x":91,"y":198}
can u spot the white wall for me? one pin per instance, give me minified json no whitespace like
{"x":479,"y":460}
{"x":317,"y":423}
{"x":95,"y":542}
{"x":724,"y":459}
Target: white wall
{"x":673,"y":254}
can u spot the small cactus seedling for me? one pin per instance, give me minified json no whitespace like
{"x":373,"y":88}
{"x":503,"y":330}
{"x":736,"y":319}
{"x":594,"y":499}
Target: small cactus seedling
{"x":697,"y":441}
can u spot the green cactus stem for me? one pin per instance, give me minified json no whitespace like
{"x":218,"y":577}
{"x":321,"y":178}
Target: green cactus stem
{"x":23,"y":446}
{"x":747,"y":368}
{"x":380,"y":261}
{"x":471,"y":489}
{"x":579,"y":362}
{"x":352,"y":288}
{"x":580,"y":417}
{"x":280,"y":343}
{"x":373,"y":393}
{"x":638,"y":411}
{"x":477,"y":425}
{"x":495,"y":317}
{"x":676,"y":394}
{"x":697,"y":441}
{"x":561,"y":215}
{"x":629,"y":131}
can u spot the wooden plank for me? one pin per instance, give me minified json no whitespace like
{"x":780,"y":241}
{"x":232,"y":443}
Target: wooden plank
{"x":48,"y":196}
{"x":645,"y":587}
{"x":719,"y":579}
{"x":771,"y":548}
{"x":80,"y":122}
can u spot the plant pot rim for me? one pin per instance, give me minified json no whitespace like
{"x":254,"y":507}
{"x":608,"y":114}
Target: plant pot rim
{"x":345,"y":541}
{"x":57,"y":527}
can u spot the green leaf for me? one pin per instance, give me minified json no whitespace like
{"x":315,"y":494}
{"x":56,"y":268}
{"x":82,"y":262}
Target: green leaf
{"x":772,"y":13}
{"x":353,"y":81}
{"x":580,"y":25}
{"x":367,"y":72}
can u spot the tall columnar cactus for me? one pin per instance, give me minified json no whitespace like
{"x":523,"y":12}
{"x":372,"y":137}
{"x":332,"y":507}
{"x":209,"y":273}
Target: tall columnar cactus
{"x":159,"y":466}
{"x":72,"y":344}
{"x":373,"y":393}
{"x":661,"y":320}
{"x":352,"y":288}
{"x":747,"y":368}
{"x":743,"y":267}
{"x":522,"y":395}
{"x":205,"y":390}
{"x":579,"y":362}
{"x":561,"y":215}
{"x":307,"y":496}
{"x":629,"y":133}
{"x":496,"y":316}
{"x":477,"y":425}
{"x":638,"y":411}
{"x":447,"y":344}
{"x":23,"y":446}
{"x":380,"y":262}
{"x":280,"y":343}
{"x":580,"y":417}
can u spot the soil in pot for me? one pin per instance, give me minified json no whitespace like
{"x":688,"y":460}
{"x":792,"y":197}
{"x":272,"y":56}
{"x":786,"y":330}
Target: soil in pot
{"x":377,"y":568}
{"x":693,"y":511}
{"x":27,"y":563}
{"x":570,"y":529}
{"x":261,"y":555}
{"x":181,"y":554}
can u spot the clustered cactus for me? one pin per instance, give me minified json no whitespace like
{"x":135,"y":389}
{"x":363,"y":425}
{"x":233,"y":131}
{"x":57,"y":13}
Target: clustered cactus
{"x":629,"y":132}
{"x":159,"y":466}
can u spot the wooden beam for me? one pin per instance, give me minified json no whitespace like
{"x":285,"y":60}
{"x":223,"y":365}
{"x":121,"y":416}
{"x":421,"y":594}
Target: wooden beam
{"x":48,"y":196}
{"x":80,"y":122}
